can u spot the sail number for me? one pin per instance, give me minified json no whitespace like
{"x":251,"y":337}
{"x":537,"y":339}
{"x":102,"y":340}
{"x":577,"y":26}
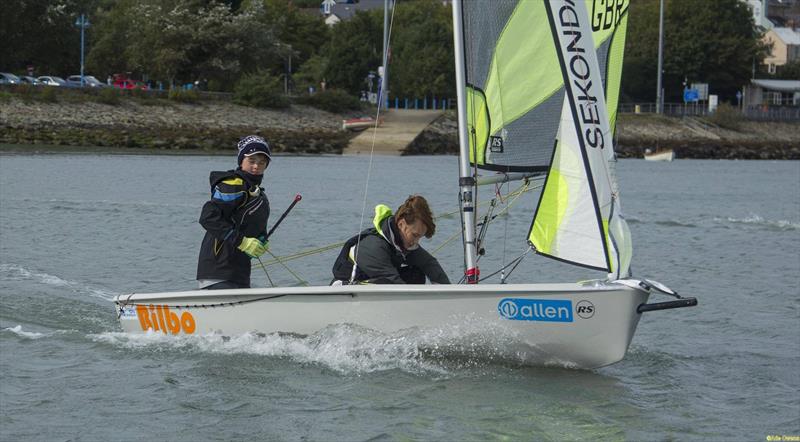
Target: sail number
{"x":607,"y":13}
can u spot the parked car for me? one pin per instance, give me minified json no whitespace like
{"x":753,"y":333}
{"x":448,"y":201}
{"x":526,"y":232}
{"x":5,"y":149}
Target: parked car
{"x":26,"y":79}
{"x":6,"y":78}
{"x":52,"y":80}
{"x":88,"y":81}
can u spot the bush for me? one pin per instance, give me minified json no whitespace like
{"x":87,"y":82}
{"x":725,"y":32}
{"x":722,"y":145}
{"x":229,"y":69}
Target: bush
{"x":27,"y":92}
{"x":332,"y":100}
{"x":726,"y":116}
{"x":49,"y":94}
{"x":183,"y":95}
{"x":260,"y":90}
{"x":108,"y":96}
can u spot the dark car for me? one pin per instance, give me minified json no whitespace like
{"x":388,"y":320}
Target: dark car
{"x":6,"y":78}
{"x":27,"y":79}
{"x":88,"y":81}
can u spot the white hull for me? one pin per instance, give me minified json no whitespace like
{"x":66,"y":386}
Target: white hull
{"x":533,"y":318}
{"x":662,"y":155}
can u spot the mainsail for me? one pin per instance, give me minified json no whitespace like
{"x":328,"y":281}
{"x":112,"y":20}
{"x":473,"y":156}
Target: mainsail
{"x":515,"y":89}
{"x":521,"y":117}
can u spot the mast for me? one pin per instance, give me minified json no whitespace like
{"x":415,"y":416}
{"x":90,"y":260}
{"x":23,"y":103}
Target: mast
{"x":466,"y":181}
{"x":659,"y":97}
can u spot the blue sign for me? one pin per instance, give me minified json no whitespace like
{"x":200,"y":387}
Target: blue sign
{"x":691,"y":95}
{"x":549,"y":310}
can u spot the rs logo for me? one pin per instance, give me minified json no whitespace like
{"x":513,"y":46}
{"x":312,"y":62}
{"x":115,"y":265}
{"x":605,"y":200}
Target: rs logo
{"x":584,"y":309}
{"x":160,"y":318}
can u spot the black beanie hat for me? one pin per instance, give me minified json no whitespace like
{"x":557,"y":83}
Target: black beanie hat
{"x":251,"y":145}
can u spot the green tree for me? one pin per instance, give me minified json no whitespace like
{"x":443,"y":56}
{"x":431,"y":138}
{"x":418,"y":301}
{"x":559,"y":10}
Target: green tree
{"x":311,"y":73}
{"x":789,"y":71}
{"x":355,"y":48}
{"x":184,"y":40}
{"x":712,"y":42}
{"x":422,"y":52}
{"x":42,"y":33}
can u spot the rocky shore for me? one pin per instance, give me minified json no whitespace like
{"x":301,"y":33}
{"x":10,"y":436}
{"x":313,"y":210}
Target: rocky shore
{"x":162,"y":125}
{"x":215,"y":126}
{"x":688,"y":137}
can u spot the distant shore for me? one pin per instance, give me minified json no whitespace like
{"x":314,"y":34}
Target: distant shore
{"x":688,"y":137}
{"x":214,"y":127}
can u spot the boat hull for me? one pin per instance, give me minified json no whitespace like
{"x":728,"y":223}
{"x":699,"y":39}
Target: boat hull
{"x":543,"y":324}
{"x":665,"y":155}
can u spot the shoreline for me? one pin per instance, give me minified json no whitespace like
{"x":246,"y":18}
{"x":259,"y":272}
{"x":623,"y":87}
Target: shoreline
{"x":214,"y":128}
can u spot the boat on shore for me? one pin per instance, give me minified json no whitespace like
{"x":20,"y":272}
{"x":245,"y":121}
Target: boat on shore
{"x":659,"y":155}
{"x":359,"y":124}
{"x":507,"y":132}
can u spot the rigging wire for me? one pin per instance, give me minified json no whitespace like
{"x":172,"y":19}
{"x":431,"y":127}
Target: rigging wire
{"x":299,"y":279}
{"x":372,"y":147}
{"x":511,"y":198}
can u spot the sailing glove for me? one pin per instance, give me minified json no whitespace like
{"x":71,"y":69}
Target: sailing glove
{"x":252,"y":247}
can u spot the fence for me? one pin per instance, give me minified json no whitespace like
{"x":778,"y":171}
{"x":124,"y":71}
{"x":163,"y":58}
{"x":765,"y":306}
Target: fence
{"x":424,"y":103}
{"x":760,"y":113}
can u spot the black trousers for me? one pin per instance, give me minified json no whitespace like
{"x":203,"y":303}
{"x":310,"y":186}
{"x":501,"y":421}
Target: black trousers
{"x":222,"y":285}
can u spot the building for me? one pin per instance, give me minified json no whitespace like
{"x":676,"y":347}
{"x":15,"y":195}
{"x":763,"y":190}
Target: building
{"x":785,"y":47}
{"x":335,"y":11}
{"x":766,"y":92}
{"x":346,"y":9}
{"x":775,"y":13}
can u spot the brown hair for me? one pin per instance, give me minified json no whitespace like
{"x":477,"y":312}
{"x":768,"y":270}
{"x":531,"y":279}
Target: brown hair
{"x":416,"y":208}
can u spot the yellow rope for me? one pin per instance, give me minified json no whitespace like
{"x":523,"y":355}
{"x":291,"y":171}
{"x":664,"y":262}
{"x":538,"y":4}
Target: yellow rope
{"x":525,"y":187}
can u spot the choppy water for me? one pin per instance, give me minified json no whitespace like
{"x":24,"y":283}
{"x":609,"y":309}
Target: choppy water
{"x":75,"y":230}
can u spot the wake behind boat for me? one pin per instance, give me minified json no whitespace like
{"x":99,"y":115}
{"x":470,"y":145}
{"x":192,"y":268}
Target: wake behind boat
{"x":546,"y":123}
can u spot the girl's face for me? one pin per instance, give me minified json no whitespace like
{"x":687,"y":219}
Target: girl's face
{"x":255,"y":164}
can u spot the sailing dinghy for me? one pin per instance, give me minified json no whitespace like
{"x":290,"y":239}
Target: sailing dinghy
{"x":534,"y":79}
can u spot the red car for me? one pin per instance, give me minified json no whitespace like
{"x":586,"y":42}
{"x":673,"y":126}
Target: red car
{"x":130,"y":84}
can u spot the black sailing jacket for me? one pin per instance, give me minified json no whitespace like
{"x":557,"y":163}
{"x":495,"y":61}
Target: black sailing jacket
{"x":236,"y":209}
{"x":382,"y":261}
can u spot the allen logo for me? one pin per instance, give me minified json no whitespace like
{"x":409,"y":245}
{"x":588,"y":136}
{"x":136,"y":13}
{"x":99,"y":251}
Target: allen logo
{"x":584,"y":309}
{"x":548,"y":310}
{"x":160,"y":318}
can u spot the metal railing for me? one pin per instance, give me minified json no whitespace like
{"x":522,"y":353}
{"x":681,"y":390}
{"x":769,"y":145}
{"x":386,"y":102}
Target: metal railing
{"x":764,"y":112}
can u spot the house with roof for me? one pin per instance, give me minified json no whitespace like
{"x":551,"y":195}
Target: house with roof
{"x":337,"y":10}
{"x":785,"y":47}
{"x":768,"y":14}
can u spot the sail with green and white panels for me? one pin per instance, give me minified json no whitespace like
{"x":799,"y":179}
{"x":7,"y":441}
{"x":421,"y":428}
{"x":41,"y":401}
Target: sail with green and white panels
{"x":579,"y":216}
{"x":515,"y":90}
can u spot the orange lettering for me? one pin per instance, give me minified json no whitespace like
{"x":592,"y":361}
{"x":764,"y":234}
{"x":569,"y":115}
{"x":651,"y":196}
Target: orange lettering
{"x":154,"y":318}
{"x":187,"y":321}
{"x":160,"y":318}
{"x":160,"y":311}
{"x":173,"y":322}
{"x":144,"y":317}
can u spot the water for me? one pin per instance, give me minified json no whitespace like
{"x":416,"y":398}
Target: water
{"x":75,"y":230}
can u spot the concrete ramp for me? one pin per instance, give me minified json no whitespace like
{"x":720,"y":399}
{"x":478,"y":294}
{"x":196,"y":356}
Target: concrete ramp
{"x":399,"y":128}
